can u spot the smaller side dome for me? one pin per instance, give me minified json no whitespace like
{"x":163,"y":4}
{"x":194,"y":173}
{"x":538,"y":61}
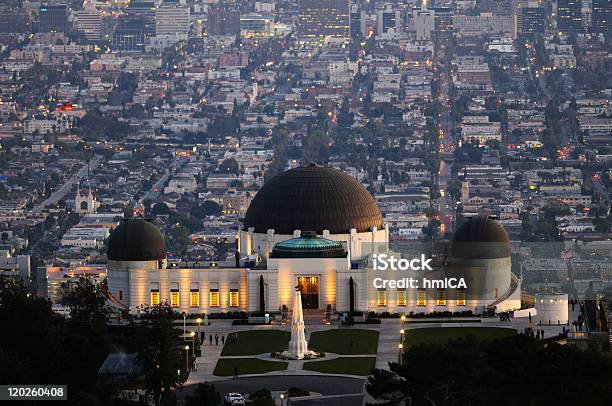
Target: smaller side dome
{"x":480,"y":238}
{"x":136,"y":240}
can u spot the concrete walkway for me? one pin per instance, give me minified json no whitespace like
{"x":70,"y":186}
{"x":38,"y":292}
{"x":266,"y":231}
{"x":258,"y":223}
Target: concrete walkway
{"x":388,"y":340}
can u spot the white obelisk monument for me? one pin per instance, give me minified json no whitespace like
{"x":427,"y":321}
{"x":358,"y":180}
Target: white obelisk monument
{"x":297,"y":346}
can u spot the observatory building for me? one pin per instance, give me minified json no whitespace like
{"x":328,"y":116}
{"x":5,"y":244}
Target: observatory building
{"x":317,"y":228}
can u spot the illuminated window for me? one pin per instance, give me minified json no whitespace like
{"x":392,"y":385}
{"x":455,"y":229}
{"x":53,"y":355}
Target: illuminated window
{"x":194,"y":298}
{"x":382,"y":298}
{"x":441,"y":297}
{"x":461,"y":298}
{"x":421,"y":298}
{"x":154,"y":297}
{"x":401,"y":298}
{"x":234,"y":298}
{"x":214,"y":298}
{"x":174,"y":298}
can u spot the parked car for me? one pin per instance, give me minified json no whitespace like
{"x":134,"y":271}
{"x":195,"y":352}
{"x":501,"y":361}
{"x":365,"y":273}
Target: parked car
{"x":234,"y":398}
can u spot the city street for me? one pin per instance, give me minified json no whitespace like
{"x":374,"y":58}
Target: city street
{"x":68,"y":185}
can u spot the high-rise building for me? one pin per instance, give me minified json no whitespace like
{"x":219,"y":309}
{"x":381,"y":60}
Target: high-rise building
{"x":601,"y":15}
{"x":443,"y":21}
{"x":497,"y":7}
{"x":13,"y":22}
{"x":129,"y":34}
{"x":145,"y":11}
{"x":531,"y":18}
{"x":569,"y":16}
{"x":223,"y":22}
{"x":172,"y":20}
{"x":88,"y":23}
{"x":358,"y":27}
{"x":254,"y":25}
{"x":53,"y":18}
{"x":318,"y":19}
{"x":387,"y":19}
{"x":424,"y":23}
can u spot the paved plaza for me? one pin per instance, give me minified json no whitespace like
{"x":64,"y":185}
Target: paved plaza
{"x":333,"y":389}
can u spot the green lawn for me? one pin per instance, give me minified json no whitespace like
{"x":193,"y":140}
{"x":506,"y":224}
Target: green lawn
{"x":338,"y":341}
{"x":441,"y":335}
{"x":225,"y":366}
{"x":343,"y":365}
{"x":253,"y":342}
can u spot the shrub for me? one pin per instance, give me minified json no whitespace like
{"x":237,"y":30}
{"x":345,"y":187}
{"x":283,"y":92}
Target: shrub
{"x":297,"y":392}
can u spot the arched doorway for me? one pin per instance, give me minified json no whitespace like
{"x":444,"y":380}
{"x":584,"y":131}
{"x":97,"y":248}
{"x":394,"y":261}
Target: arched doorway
{"x":309,"y":286}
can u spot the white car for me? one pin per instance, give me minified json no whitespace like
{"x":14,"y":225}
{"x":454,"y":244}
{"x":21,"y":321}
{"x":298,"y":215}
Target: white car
{"x":234,"y":398}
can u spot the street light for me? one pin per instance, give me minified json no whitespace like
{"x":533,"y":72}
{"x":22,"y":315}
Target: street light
{"x":402,"y":336}
{"x":192,"y":334}
{"x":282,"y":397}
{"x":187,"y":358}
{"x":199,"y":321}
{"x":401,"y":350}
{"x":184,"y":323}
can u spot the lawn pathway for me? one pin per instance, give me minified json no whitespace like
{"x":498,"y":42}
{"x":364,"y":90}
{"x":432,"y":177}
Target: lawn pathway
{"x":388,"y":340}
{"x":205,"y":364}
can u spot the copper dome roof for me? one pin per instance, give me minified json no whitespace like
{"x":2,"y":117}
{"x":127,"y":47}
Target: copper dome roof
{"x":313,"y":198}
{"x":480,"y":238}
{"x":136,"y":240}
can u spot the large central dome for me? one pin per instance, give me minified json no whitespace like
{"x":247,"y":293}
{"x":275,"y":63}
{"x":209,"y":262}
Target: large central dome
{"x":313,"y":198}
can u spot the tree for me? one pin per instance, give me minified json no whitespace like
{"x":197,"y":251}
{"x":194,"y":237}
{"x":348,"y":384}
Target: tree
{"x":345,"y":117}
{"x":602,"y":224}
{"x":160,"y":351}
{"x":315,"y":148}
{"x":204,"y":395}
{"x":86,"y":302}
{"x":210,"y":208}
{"x":32,"y":338}
{"x":161,"y":209}
{"x":229,"y":165}
{"x":351,"y":295}
{"x":467,"y":371}
{"x":262,"y":299}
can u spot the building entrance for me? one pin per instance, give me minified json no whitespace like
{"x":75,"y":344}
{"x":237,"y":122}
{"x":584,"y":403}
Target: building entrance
{"x":309,"y":286}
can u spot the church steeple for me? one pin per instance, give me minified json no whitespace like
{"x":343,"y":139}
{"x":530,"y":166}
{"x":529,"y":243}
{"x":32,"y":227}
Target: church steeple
{"x":85,"y":204}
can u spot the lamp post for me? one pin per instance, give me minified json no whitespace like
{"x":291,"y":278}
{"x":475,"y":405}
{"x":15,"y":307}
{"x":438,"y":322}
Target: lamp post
{"x":401,"y":358}
{"x":402,"y":336}
{"x":192,"y":334}
{"x":403,"y":319}
{"x":282,"y":398}
{"x":187,"y":359}
{"x":199,"y":321}
{"x":184,"y":323}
